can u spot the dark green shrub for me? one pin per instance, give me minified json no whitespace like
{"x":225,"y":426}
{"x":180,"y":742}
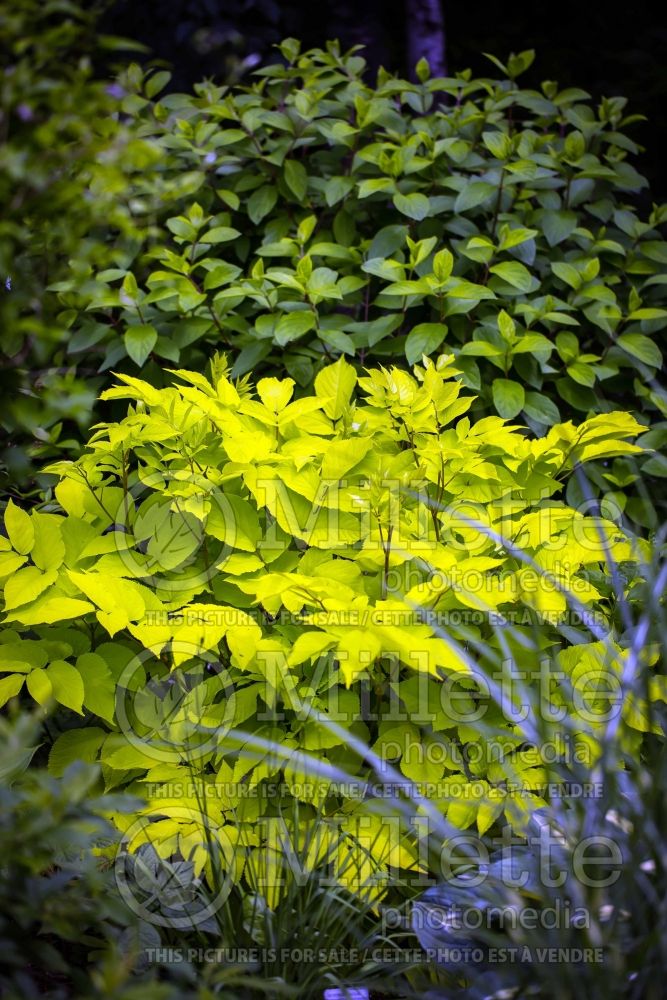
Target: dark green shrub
{"x":313,"y":172}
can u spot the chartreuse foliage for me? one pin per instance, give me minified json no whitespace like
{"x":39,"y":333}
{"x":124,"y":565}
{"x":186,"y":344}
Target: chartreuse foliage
{"x":312,"y":214}
{"x":310,"y":571}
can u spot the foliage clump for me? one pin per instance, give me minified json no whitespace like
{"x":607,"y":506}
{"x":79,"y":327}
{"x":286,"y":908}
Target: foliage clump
{"x":278,"y":562}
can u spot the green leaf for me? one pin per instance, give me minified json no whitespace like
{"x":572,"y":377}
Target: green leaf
{"x":293,"y":325}
{"x":10,"y":562}
{"x":179,"y":226}
{"x":47,"y":610}
{"x":417,"y":287}
{"x":375,"y":184}
{"x":337,"y":188}
{"x":488,"y":812}
{"x":249,"y":357}
{"x":341,"y":456}
{"x":558,"y":225}
{"x":567,"y":346}
{"x":339,"y":340}
{"x":387,"y":241}
{"x":221,"y":274}
{"x":120,"y":601}
{"x":496,"y":62}
{"x":167,"y":349}
{"x":233,"y":519}
{"x":73,"y":745}
{"x":22,"y":656}
{"x":515,"y":237}
{"x":49,"y":549}
{"x":423,"y":70}
{"x":371,"y":333}
{"x":39,"y":686}
{"x":230,"y":198}
{"x":296,"y":178}
{"x":261,"y":202}
{"x":99,"y":685}
{"x":381,"y":268}
{"x":508,"y":397}
{"x":19,"y":528}
{"x":309,"y":645}
{"x":443,"y":263}
{"x":473,"y":194}
{"x":10,"y":687}
{"x":220,"y":234}
{"x":424,"y":339}
{"x":322,"y":284}
{"x":581,"y":373}
{"x":567,"y":273}
{"x":479,"y":248}
{"x":518,"y":64}
{"x":332,"y":251}
{"x":306,"y":229}
{"x":157,"y":82}
{"x":26,"y":585}
{"x":66,"y":684}
{"x":506,"y":326}
{"x":335,"y":385}
{"x":498,"y":144}
{"x":542,"y":409}
{"x":514,"y":274}
{"x":140,"y":341}
{"x":641,"y":347}
{"x":469,"y":291}
{"x":481,"y":349}
{"x":648,"y":313}
{"x":275,"y":393}
{"x":416,"y":206}
{"x":656,"y":466}
{"x":129,"y":757}
{"x":290,"y":48}
{"x":531,"y":343}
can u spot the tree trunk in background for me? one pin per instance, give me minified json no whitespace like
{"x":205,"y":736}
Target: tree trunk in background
{"x":425,"y":35}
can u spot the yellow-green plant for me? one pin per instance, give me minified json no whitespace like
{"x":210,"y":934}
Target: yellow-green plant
{"x":229,"y":568}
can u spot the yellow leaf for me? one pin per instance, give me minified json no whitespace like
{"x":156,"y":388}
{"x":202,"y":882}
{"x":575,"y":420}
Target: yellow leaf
{"x":275,"y":393}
